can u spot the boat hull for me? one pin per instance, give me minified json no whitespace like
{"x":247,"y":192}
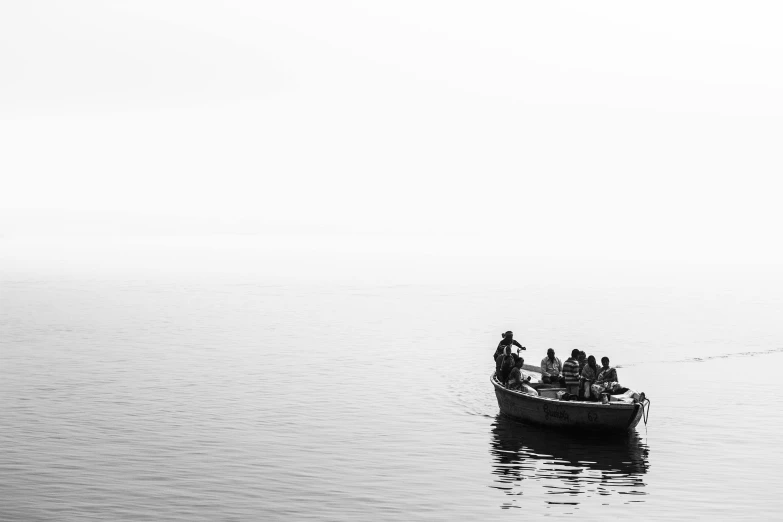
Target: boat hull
{"x":567,"y":415}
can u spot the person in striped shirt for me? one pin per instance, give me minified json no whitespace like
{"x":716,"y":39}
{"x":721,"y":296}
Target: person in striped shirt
{"x":571,"y":373}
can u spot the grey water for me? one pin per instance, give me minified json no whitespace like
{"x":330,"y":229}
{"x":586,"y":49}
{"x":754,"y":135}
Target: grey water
{"x":256,"y":395}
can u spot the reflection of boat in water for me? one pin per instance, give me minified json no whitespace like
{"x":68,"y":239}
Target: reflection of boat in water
{"x":547,"y":410}
{"x":623,"y":453}
{"x":564,"y":462}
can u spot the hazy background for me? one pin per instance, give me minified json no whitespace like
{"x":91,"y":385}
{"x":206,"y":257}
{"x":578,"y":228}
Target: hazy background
{"x":610,"y":131}
{"x":254,"y":256}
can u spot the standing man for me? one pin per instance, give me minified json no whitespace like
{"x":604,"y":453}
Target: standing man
{"x":507,"y":340}
{"x":551,"y":369}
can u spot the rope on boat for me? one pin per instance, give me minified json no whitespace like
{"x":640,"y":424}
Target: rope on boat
{"x":646,"y":404}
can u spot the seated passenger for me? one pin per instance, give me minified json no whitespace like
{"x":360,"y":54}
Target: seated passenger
{"x":582,"y":361}
{"x":515,"y":377}
{"x":588,"y":378}
{"x":571,"y":373}
{"x":551,"y":368}
{"x":504,"y":364}
{"x":607,"y":381}
{"x":606,"y":374}
{"x":517,"y":381}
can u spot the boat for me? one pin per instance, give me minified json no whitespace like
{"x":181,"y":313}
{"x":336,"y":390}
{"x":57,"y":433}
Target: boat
{"x":548,"y":409}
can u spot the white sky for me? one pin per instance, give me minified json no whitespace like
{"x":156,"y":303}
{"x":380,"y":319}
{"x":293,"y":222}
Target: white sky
{"x":649,"y":130}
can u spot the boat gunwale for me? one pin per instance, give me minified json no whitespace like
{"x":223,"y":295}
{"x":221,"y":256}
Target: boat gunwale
{"x":585,"y":404}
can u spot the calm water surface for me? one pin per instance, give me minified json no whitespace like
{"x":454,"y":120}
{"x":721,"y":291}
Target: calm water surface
{"x":238,"y":398}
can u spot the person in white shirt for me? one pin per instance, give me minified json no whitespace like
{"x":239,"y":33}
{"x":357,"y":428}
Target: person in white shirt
{"x":552,"y":369}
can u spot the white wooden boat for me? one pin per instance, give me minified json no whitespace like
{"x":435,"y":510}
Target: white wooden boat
{"x":546,"y":409}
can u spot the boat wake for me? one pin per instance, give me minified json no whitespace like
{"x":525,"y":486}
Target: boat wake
{"x":707,"y":358}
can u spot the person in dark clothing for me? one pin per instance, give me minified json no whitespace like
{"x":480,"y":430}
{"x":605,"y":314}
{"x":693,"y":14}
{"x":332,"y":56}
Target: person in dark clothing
{"x":582,"y":361}
{"x":588,"y":377}
{"x":507,"y":340}
{"x":505,"y":363}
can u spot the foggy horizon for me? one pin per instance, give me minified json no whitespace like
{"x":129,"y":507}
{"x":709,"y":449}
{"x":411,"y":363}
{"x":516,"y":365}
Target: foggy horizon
{"x":560,"y":129}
